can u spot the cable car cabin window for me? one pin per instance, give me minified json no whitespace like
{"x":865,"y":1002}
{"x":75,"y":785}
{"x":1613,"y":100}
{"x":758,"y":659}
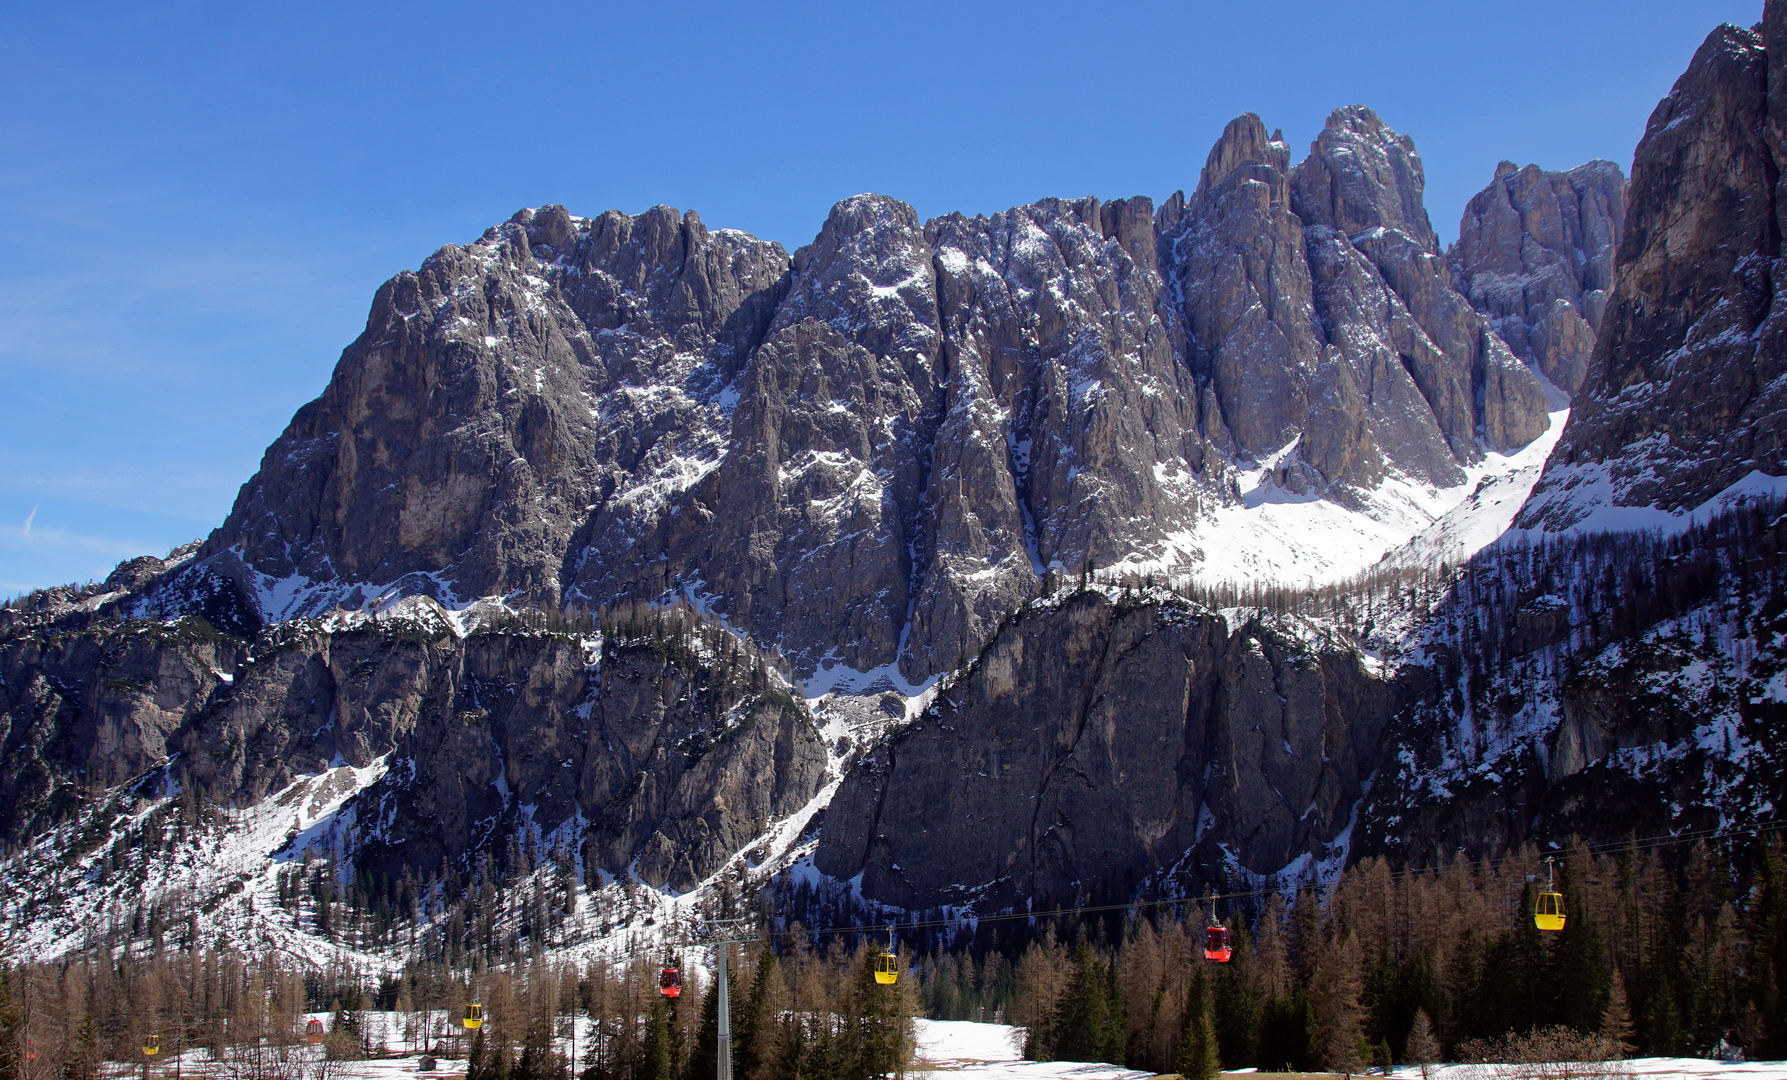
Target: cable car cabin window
{"x":1548,"y":913}
{"x":1216,"y":944}
{"x":670,"y":983}
{"x":887,"y":968}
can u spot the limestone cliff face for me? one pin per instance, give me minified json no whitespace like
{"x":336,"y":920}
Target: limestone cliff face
{"x":1684,"y":393}
{"x":1097,"y":741}
{"x":1359,"y":194}
{"x":1321,"y":317}
{"x":504,"y":397}
{"x":1535,"y":254}
{"x":868,"y":453}
{"x":653,"y":754}
{"x":97,"y":710}
{"x":1073,"y":431}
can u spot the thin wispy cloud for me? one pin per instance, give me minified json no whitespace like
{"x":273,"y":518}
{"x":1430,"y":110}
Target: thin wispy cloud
{"x":49,"y":538}
{"x":29,"y":518}
{"x":200,"y":494}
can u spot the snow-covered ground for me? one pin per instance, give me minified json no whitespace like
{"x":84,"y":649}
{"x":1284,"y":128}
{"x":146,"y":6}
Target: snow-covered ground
{"x":967,"y":1050}
{"x":1636,"y":1068}
{"x":963,"y":1050}
{"x":1280,"y":537}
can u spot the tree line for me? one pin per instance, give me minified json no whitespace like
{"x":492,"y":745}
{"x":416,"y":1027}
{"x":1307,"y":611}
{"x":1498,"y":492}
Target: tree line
{"x":796,"y":1011}
{"x":1656,"y":958}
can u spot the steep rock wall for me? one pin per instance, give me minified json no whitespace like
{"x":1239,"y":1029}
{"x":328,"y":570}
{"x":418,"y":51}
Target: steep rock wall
{"x":655,"y":755}
{"x":1684,"y":395}
{"x":1535,"y":254}
{"x":1097,"y":741}
{"x":868,"y":453}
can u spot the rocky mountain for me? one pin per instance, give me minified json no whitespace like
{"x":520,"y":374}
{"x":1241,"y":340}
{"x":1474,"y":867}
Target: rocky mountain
{"x":868,"y":453}
{"x":1535,"y":254}
{"x":1683,"y":396}
{"x":650,"y":557}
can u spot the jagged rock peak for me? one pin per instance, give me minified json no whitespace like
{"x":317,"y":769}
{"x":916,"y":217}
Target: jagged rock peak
{"x":1244,"y":142}
{"x":1685,"y":393}
{"x":1362,"y":175}
{"x":867,"y":453}
{"x":1324,"y":322}
{"x":493,"y":403}
{"x":1535,"y":254}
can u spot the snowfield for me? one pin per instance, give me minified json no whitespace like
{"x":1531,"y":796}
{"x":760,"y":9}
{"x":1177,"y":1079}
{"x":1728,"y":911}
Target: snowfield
{"x":1280,"y":537}
{"x":968,"y":1051}
{"x":964,"y":1049}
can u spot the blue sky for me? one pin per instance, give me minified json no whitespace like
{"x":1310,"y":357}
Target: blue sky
{"x":197,"y":200}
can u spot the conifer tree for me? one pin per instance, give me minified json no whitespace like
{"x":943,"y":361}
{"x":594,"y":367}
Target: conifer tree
{"x":704,"y":1055}
{"x":1616,"y":1020}
{"x":1286,"y":1026}
{"x":1237,"y":1003}
{"x":83,"y":1063}
{"x":750,"y":1022}
{"x":1198,"y":1059}
{"x":475,"y":1060}
{"x":1423,"y":1049}
{"x":1662,"y":1020}
{"x":1116,"y":1016}
{"x":657,"y":1060}
{"x":1581,"y":973}
{"x":1082,"y":1025}
{"x":1334,"y":1005}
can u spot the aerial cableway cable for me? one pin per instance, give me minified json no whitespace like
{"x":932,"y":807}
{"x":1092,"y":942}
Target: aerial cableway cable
{"x":1762,"y":828}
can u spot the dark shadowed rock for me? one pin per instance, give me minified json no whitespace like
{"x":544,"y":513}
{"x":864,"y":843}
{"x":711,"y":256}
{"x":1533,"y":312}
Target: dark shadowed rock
{"x":659,"y":757}
{"x":1096,"y":742}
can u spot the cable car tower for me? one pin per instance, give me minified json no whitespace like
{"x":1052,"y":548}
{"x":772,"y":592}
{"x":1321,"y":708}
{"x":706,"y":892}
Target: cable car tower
{"x":1548,"y":909}
{"x":725,"y":932}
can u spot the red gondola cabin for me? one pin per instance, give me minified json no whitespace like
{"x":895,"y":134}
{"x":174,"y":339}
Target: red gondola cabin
{"x":1216,"y":944}
{"x":313,"y":1031}
{"x":670,"y":983}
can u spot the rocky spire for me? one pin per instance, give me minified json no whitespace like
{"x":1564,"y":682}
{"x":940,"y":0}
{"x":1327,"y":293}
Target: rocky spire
{"x":1683,"y":396}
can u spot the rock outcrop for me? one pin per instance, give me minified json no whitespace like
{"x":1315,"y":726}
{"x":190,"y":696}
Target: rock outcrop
{"x":656,"y":756}
{"x":1535,"y":254}
{"x":1684,"y":394}
{"x":1097,"y":741}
